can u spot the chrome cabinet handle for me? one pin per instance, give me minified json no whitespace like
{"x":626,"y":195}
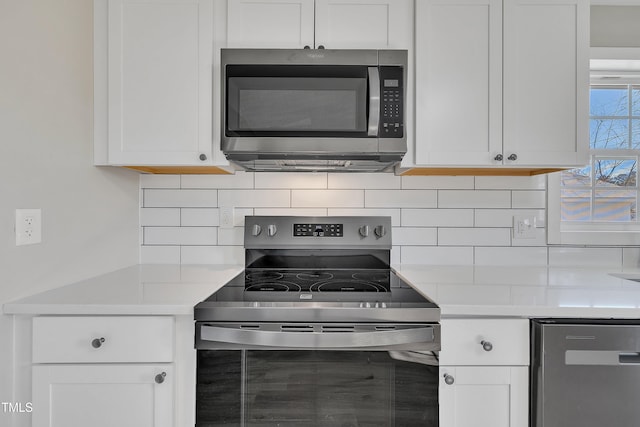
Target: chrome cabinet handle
{"x":486,"y":345}
{"x":321,"y":47}
{"x":448,"y":379}
{"x":498,"y":158}
{"x":513,"y":157}
{"x":203,"y":157}
{"x":160,"y":377}
{"x":97,"y":342}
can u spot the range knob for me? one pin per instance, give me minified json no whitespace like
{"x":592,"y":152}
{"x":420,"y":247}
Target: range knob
{"x":256,"y":230}
{"x":272,"y":230}
{"x":364,"y":231}
{"x":380,"y":231}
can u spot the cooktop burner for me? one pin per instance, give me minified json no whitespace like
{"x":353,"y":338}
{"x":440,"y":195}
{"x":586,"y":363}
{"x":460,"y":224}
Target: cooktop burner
{"x":317,"y":281}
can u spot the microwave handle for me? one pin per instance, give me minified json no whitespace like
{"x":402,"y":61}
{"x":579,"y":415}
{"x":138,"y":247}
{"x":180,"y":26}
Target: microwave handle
{"x":374,"y":101}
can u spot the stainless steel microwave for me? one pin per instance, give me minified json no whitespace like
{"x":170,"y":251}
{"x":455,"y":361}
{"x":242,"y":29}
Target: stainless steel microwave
{"x":314,"y":110}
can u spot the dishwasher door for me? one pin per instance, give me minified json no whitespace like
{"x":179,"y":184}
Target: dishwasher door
{"x":585,"y":374}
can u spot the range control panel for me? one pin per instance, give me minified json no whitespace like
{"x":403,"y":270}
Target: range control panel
{"x":318,"y":230}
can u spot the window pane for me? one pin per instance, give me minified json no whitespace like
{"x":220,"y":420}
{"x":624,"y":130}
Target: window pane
{"x":615,"y":172}
{"x":576,"y":177}
{"x":576,"y":205}
{"x":635,"y":133}
{"x":635,"y":101}
{"x":609,"y":101}
{"x":609,"y":134}
{"x":615,"y":205}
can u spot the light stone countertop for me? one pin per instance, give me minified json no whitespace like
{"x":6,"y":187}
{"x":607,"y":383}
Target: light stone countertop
{"x":494,"y":291}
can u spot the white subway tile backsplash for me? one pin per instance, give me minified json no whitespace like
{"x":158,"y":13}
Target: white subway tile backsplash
{"x":231,"y":236}
{"x":212,"y":255}
{"x":437,"y":182}
{"x":180,"y":236}
{"x":160,"y":254}
{"x":159,"y":181}
{"x":400,"y":198}
{"x":474,"y":236}
{"x":436,"y":255}
{"x":239,"y":180}
{"x":437,"y":218}
{"x":160,"y":216}
{"x":363,"y":181}
{"x":200,"y":217}
{"x":291,"y":211}
{"x":414,"y":236}
{"x":393,"y":213}
{"x":537,"y":182}
{"x":528,"y":199}
{"x":299,"y":180}
{"x":540,"y":239}
{"x":153,"y":198}
{"x":603,"y":257}
{"x":482,"y":199}
{"x":631,"y":257}
{"x":504,"y":217}
{"x":254,"y":198}
{"x":327,"y":198}
{"x":510,"y":256}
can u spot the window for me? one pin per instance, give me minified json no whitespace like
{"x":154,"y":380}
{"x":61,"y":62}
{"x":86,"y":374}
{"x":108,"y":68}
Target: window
{"x":598,"y":204}
{"x":607,"y":189}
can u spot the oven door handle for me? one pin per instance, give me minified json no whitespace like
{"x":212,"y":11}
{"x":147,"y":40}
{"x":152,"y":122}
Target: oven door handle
{"x":384,"y":339}
{"x":374,"y":101}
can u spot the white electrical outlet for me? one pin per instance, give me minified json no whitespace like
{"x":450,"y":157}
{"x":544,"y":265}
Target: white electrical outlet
{"x":227,"y":219}
{"x":28,"y":226}
{"x":524,"y":227}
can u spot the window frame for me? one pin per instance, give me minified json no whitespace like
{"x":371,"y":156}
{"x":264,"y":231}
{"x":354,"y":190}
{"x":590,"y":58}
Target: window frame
{"x":594,"y":233}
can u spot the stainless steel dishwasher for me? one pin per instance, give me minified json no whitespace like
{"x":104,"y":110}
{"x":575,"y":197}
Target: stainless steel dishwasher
{"x":585,"y":373}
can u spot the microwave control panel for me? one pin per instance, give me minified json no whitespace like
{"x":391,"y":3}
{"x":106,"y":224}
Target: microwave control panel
{"x":392,"y":102}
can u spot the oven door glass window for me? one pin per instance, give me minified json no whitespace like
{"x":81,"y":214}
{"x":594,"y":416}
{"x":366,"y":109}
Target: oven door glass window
{"x":290,"y":103}
{"x":314,"y":388}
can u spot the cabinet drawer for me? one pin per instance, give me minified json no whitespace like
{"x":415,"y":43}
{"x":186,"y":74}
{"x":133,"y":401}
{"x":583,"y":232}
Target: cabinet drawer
{"x":506,"y":342}
{"x":102,"y":339}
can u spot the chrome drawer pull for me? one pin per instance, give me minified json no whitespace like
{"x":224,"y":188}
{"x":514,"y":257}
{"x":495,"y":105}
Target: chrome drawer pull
{"x":486,"y":345}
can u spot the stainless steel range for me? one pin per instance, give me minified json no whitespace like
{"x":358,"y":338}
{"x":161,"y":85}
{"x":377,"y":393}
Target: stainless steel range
{"x":317,"y":330}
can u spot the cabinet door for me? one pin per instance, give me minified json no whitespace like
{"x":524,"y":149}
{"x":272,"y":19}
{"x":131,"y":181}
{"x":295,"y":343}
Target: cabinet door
{"x":364,"y":24}
{"x":270,"y":23}
{"x":546,"y":81}
{"x":458,"y":82}
{"x":102,"y":396}
{"x":159,"y":82}
{"x":494,"y":396}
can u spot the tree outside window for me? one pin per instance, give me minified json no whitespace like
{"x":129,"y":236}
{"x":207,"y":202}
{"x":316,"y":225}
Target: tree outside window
{"x":606,"y":190}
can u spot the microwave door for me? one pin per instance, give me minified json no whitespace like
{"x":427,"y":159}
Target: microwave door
{"x":298,"y":101}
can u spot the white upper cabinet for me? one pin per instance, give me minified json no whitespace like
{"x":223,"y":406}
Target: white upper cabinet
{"x":154,"y":101}
{"x":330,"y":24}
{"x":364,"y":24}
{"x":458,"y":81}
{"x":502,"y":83}
{"x":284,"y":24}
{"x":546,"y":81}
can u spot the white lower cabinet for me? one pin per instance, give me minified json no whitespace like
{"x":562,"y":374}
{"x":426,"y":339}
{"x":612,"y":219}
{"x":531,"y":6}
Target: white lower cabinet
{"x":484,"y":373}
{"x":103,"y":371}
{"x":102,"y":395}
{"x":486,"y":396}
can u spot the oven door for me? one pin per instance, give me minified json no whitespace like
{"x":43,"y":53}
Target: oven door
{"x":344,"y":381}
